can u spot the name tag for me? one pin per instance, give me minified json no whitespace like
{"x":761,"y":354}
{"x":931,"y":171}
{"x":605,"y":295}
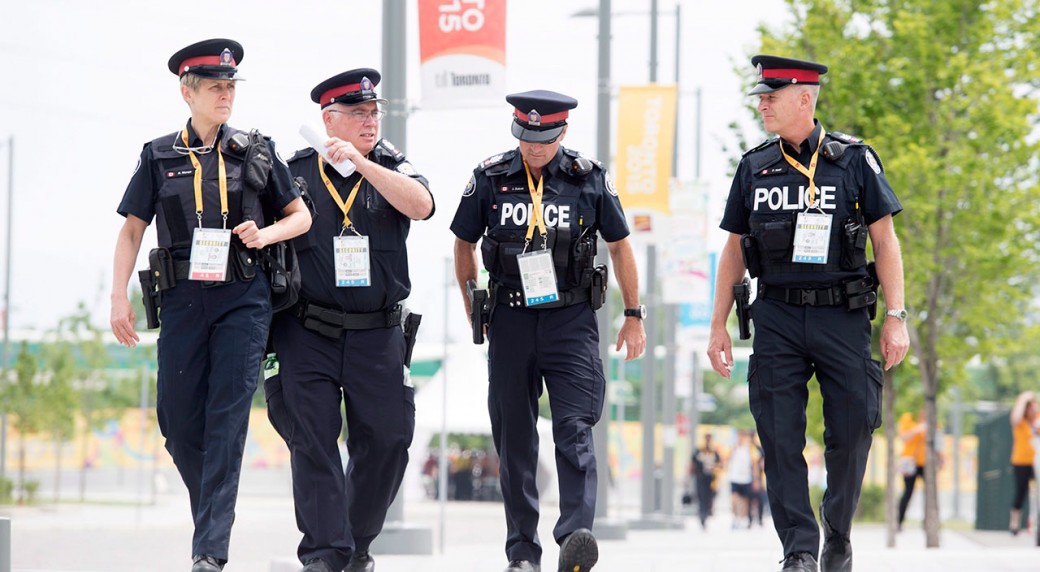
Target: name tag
{"x":538,"y":277}
{"x":812,"y":237}
{"x":209,"y":254}
{"x":353,"y":268}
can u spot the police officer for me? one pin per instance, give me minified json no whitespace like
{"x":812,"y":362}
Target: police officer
{"x":343,"y":341}
{"x":799,"y":213}
{"x":537,"y":210}
{"x":216,"y":302}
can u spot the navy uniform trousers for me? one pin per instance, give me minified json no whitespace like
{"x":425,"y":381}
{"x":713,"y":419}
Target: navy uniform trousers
{"x":210,"y":347}
{"x":560,"y":345}
{"x":365,"y":370}
{"x":791,"y":343}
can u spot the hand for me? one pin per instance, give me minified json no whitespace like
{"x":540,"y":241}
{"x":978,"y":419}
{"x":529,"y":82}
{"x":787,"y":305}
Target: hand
{"x":894,"y":342}
{"x":633,"y":337}
{"x":338,"y":150}
{"x":122,"y":320}
{"x":251,"y":236}
{"x":720,"y":351}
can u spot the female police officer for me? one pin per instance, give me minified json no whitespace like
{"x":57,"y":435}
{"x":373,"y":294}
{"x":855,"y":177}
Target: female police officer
{"x":216,"y":302}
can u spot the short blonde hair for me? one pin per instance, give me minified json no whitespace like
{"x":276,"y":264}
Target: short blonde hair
{"x":192,"y":81}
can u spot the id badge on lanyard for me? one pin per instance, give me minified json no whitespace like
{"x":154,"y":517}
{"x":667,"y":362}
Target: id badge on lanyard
{"x":209,"y":254}
{"x":538,"y":277}
{"x":812,"y":237}
{"x":353,"y":268}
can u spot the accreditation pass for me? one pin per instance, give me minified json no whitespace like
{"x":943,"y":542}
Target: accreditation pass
{"x":538,"y":277}
{"x":812,"y":235}
{"x":353,"y":268}
{"x":209,"y":254}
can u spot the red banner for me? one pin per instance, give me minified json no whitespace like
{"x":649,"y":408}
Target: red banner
{"x":462,"y":51}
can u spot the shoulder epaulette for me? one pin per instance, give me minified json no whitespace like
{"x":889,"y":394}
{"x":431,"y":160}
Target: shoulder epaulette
{"x":578,"y":164}
{"x":388,"y":149}
{"x":301,"y":154}
{"x":761,"y":146}
{"x":845,"y":137}
{"x":502,"y":159}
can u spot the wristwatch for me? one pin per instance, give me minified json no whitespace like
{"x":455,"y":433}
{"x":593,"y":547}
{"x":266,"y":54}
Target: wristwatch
{"x":637,"y":312}
{"x":899,"y":314}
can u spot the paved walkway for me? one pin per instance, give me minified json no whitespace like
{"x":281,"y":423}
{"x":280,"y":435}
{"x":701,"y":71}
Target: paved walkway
{"x":118,"y":534}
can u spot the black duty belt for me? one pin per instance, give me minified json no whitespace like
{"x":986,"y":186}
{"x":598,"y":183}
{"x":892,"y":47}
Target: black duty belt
{"x":331,"y":323}
{"x":833,"y":296}
{"x":515,"y":298}
{"x":181,"y":269}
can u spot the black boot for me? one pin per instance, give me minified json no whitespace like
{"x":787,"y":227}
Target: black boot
{"x":206,"y":564}
{"x":800,"y":562}
{"x":836,"y":555}
{"x":579,"y":551}
{"x":523,"y":566}
{"x":361,"y":561}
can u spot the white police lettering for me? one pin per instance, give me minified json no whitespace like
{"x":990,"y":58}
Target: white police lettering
{"x":784,"y":199}
{"x":518,"y":214}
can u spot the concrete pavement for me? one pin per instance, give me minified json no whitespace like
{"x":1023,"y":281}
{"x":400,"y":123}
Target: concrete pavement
{"x":121,"y":535}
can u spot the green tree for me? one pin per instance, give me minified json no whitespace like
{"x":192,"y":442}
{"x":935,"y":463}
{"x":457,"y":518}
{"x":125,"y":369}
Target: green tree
{"x":59,"y":399}
{"x":945,"y":91}
{"x":22,"y":400}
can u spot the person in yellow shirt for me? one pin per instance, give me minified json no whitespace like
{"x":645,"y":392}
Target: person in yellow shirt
{"x":911,"y":462}
{"x":1024,"y":424}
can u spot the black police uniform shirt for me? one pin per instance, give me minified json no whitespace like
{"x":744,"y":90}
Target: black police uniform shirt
{"x":497,"y":199}
{"x":768,"y":187}
{"x":163,"y":187}
{"x":372,"y":216}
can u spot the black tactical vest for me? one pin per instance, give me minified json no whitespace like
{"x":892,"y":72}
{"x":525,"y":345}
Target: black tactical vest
{"x":779,"y":192}
{"x":568,"y":212}
{"x":175,"y":203}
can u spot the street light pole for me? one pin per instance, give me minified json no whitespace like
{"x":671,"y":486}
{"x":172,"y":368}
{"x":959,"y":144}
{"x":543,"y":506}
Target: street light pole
{"x":7,"y":299}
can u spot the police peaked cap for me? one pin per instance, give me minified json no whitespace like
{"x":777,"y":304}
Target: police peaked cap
{"x":349,"y":88}
{"x":776,"y":73}
{"x":540,"y":116}
{"x":214,"y":59}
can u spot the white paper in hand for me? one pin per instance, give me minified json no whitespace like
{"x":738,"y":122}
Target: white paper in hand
{"x":317,"y":142}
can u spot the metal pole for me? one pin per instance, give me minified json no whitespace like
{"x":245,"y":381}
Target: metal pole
{"x":442,"y":459}
{"x":394,"y":127}
{"x":668,"y":432}
{"x":601,"y":431}
{"x":394,"y":88}
{"x":5,"y":545}
{"x":678,"y":92}
{"x":7,"y":299}
{"x":648,"y":408}
{"x":653,"y":41}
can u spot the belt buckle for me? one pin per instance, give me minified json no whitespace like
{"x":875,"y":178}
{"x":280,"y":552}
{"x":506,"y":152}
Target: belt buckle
{"x":808,"y":297}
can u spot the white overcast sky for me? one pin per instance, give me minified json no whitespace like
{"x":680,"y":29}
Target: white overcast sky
{"x":85,"y":84}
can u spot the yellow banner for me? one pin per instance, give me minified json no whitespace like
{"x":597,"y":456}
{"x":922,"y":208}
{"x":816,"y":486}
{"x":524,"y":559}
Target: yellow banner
{"x":646,"y":134}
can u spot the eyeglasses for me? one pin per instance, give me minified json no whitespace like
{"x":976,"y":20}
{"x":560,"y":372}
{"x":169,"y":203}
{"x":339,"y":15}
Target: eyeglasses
{"x":359,"y":116}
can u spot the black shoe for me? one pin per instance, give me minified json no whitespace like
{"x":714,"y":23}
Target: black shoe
{"x":800,"y":562}
{"x":316,"y":565}
{"x":361,"y":561}
{"x":836,"y":555}
{"x":523,"y":566}
{"x":578,"y":552}
{"x":206,"y":564}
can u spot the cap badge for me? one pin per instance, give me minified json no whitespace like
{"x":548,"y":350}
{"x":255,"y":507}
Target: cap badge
{"x":366,"y":84}
{"x":759,"y":71}
{"x":226,"y":58}
{"x":534,"y":118}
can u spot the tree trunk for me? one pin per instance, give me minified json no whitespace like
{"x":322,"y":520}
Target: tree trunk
{"x":57,"y":467}
{"x":931,"y":486}
{"x":889,"y":417}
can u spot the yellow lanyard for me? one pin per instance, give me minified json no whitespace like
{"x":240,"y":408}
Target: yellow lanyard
{"x":221,"y":178}
{"x":536,"y":206}
{"x":343,"y":206}
{"x":811,"y":171}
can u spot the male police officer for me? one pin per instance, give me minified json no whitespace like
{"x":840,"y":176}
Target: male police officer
{"x":343,"y":340}
{"x":206,"y":185}
{"x":542,"y":206}
{"x":799,"y":211}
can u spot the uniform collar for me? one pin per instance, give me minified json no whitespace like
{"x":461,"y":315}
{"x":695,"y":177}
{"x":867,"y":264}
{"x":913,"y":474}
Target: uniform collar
{"x":553,"y":168}
{"x":195,"y":141}
{"x":810,"y":144}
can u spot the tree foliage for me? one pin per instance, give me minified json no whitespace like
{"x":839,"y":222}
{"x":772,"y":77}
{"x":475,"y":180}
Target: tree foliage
{"x":945,"y":90}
